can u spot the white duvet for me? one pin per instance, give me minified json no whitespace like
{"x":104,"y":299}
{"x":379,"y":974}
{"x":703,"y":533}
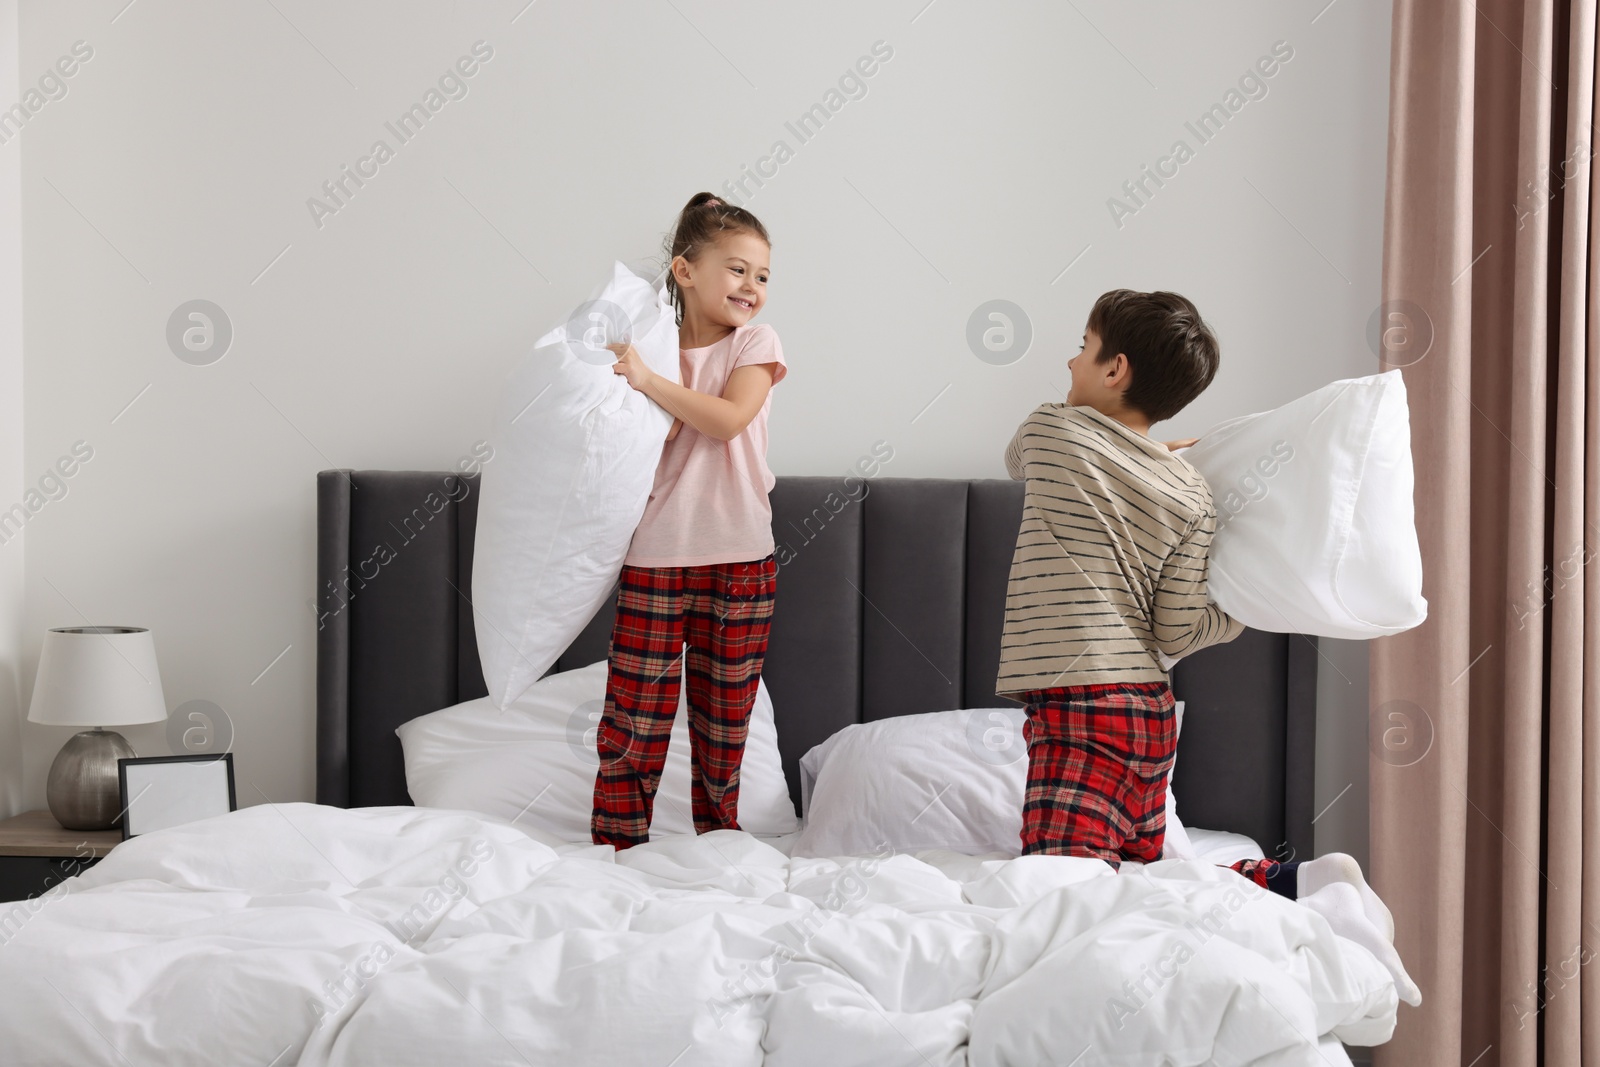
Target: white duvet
{"x":301,"y":934}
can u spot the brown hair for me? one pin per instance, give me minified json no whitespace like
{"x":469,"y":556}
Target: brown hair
{"x":1172,"y":352}
{"x":703,"y":221}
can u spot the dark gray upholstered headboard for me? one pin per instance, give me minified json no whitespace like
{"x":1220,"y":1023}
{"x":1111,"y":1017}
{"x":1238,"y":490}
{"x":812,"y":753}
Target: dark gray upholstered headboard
{"x":890,"y":600}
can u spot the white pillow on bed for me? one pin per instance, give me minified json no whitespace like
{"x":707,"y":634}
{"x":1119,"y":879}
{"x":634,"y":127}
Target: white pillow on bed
{"x":941,"y":780}
{"x":535,"y":761}
{"x":1315,"y":528}
{"x":576,"y":451}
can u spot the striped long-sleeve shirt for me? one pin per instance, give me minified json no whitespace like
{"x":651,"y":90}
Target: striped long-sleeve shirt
{"x":1111,"y":560}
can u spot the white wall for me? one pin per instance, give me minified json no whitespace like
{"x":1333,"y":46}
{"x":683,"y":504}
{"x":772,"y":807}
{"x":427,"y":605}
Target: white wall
{"x":977,"y":166}
{"x":11,"y":413}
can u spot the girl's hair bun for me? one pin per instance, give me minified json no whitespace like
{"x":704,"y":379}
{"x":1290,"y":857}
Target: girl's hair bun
{"x":699,"y":200}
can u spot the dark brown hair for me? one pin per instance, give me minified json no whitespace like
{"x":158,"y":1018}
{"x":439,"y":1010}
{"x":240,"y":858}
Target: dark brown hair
{"x":704,"y":220}
{"x":1172,"y":352}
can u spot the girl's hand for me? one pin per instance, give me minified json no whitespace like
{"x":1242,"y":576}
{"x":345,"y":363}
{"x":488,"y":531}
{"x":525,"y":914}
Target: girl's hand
{"x":1173,"y":446}
{"x":631,"y":365}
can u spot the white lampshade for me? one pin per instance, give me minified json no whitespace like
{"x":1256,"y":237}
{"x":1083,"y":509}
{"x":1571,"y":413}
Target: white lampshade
{"x":97,"y":676}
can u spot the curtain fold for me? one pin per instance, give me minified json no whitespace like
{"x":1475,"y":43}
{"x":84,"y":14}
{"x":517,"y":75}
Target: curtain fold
{"x":1486,"y":847}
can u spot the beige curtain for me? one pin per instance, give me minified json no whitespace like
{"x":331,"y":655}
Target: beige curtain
{"x":1486,"y":720}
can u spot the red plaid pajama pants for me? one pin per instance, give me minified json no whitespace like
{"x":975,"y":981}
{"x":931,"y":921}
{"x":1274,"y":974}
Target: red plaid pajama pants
{"x":1098,"y":759}
{"x":723,"y":612}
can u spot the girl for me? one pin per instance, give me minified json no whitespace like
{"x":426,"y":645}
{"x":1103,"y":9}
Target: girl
{"x":699,"y":579}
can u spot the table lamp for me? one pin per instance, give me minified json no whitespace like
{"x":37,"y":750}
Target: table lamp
{"x":95,"y":676}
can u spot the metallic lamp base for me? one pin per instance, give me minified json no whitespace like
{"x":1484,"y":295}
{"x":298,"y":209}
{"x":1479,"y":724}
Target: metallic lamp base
{"x":83,"y":790}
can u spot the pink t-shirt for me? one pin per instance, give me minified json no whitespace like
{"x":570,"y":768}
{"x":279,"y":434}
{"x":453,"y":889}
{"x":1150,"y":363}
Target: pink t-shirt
{"x":709,"y":502}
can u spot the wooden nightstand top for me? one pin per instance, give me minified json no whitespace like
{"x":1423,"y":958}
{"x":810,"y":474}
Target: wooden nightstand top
{"x":36,"y":833}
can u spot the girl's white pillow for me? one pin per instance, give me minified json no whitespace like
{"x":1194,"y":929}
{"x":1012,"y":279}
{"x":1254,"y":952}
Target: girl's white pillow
{"x":576,"y":451}
{"x":1315,"y":528}
{"x":941,"y":780}
{"x":535,"y":761}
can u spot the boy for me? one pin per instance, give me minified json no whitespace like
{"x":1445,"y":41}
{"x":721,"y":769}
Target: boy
{"x":1109,"y":572}
{"x":1108,"y":576}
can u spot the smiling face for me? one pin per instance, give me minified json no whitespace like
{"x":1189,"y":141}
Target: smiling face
{"x":1103,"y":385}
{"x":726,"y":285}
{"x":1082,"y":369}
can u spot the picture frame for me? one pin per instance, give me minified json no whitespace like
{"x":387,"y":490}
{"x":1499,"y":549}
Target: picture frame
{"x":158,"y":792}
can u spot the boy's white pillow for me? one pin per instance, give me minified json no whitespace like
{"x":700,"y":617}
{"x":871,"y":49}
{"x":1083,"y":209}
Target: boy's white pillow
{"x":941,"y":780}
{"x":1315,"y":529}
{"x":535,"y":761}
{"x":576,"y":451}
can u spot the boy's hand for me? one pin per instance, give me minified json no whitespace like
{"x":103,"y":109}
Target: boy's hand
{"x":1173,"y":446}
{"x":631,"y":365}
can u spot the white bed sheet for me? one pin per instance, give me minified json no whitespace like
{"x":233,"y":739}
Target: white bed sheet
{"x":1213,"y":846}
{"x":300,"y":934}
{"x":1221,"y":847}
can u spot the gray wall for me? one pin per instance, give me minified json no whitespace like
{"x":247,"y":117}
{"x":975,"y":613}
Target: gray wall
{"x":977,"y":162}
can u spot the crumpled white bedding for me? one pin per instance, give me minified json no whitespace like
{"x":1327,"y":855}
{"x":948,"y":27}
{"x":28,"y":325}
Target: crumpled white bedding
{"x":301,"y":934}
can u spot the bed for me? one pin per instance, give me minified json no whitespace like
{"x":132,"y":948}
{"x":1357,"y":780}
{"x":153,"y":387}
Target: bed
{"x":362,"y":929}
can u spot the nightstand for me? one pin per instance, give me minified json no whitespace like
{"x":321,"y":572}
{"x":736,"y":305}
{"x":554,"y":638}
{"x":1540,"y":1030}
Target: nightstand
{"x":37,"y":854}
